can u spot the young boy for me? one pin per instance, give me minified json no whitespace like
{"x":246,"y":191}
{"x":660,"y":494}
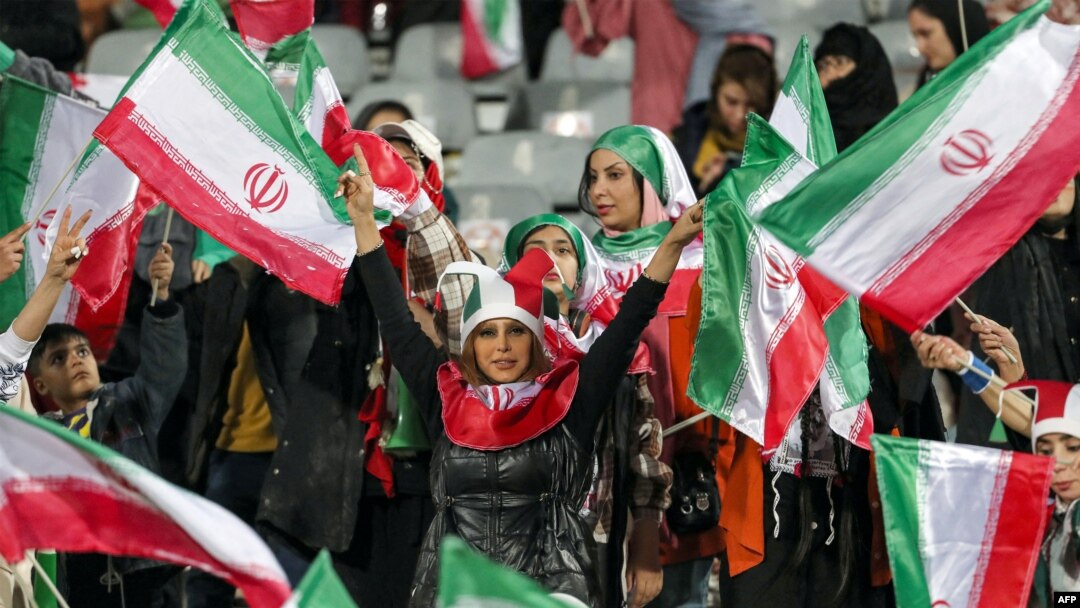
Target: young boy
{"x":125,"y":415}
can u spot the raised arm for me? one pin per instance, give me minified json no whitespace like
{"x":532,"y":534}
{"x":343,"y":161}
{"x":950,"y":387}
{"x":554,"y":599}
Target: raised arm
{"x":412,"y":352}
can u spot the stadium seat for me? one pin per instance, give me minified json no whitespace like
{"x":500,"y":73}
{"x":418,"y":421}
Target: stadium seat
{"x":121,"y":52}
{"x":512,"y":202}
{"x":562,"y":63}
{"x":550,"y":163}
{"x":428,"y":51}
{"x":346,"y":54}
{"x":580,"y":109}
{"x":444,"y":106}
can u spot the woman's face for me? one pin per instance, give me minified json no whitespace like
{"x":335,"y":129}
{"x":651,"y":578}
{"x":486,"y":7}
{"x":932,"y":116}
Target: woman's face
{"x":831,"y":68}
{"x":1064,"y":449}
{"x":503,"y":350}
{"x":613,"y":191}
{"x":560,"y":247}
{"x":733,"y":104}
{"x":1063,"y":204}
{"x":406,"y":152}
{"x":931,"y":39}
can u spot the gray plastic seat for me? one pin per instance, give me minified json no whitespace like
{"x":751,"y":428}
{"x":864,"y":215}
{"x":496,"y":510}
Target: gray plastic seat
{"x":121,"y":52}
{"x":549,"y":163}
{"x":562,"y":63}
{"x":444,"y":106}
{"x":600,"y":105}
{"x":511,"y":202}
{"x":433,"y":50}
{"x":346,"y":54}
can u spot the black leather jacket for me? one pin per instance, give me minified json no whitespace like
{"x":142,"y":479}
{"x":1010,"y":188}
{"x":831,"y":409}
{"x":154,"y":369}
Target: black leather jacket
{"x":519,"y":505}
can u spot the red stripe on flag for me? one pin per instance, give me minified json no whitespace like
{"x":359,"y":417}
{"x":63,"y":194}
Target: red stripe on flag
{"x":268,"y":21}
{"x":59,"y":514}
{"x":1020,"y":527}
{"x":475,"y":61}
{"x":988,"y":229}
{"x":795,"y":365}
{"x":296,"y":266}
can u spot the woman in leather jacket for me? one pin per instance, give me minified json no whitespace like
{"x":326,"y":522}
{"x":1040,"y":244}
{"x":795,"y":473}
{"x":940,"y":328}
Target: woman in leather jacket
{"x":513,"y":429}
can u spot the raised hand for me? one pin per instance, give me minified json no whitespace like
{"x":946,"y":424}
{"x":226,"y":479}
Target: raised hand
{"x":69,"y":249}
{"x":11,"y":251}
{"x":161,"y":271}
{"x":359,"y":191}
{"x":998,"y":342}
{"x":938,"y":352}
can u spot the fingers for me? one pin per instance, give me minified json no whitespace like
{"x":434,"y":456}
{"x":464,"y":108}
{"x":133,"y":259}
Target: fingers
{"x":65,"y":219}
{"x":16,"y":235}
{"x":167,"y":249}
{"x":361,"y":162}
{"x":77,"y":228}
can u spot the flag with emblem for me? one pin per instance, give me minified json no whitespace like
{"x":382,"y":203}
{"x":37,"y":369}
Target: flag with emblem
{"x":61,"y":491}
{"x":973,"y":548}
{"x":470,"y":580}
{"x":761,"y":345}
{"x":802,"y":118}
{"x":920,"y":206}
{"x":202,"y":124}
{"x":42,"y":135}
{"x":490,"y":36}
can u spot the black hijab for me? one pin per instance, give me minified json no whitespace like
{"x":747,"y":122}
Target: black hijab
{"x":861,"y":99}
{"x":948,"y":13}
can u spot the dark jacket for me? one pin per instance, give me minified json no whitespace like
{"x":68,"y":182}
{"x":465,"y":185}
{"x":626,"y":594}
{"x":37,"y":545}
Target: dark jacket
{"x":519,"y":505}
{"x":281,"y":323}
{"x":317,"y":477}
{"x":129,"y":413}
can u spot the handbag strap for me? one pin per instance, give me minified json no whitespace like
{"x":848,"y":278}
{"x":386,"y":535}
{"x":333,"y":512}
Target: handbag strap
{"x":714,"y":439}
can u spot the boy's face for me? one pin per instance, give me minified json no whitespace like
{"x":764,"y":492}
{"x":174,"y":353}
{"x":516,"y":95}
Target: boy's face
{"x":67,"y":372}
{"x":1065,"y":449}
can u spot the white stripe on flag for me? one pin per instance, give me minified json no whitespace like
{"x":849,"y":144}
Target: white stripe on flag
{"x":905,"y":201}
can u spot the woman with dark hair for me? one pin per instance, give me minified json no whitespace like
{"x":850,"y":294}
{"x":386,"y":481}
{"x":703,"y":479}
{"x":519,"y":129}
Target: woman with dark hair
{"x":857,"y":80}
{"x":380,"y":112}
{"x":939,"y":35}
{"x":513,"y":429}
{"x":711,"y":137}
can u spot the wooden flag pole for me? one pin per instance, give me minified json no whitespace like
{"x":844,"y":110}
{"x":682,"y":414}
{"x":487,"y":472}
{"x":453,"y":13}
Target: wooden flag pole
{"x":48,"y":581}
{"x":164,"y":241}
{"x":678,"y":426}
{"x":45,"y":205}
{"x":963,"y":24}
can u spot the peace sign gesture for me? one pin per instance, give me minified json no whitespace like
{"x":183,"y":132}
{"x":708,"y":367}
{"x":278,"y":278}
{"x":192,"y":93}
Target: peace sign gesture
{"x":68,"y":250}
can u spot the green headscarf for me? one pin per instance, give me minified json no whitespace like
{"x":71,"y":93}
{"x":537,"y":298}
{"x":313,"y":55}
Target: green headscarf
{"x":652,"y":154}
{"x":515,"y":240}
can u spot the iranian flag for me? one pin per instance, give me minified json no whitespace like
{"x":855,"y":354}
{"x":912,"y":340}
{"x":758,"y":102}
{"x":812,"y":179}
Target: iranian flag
{"x":163,"y":10}
{"x":918,"y":208}
{"x":321,"y":587}
{"x":470,"y":580}
{"x":963,"y":524}
{"x":490,"y":36}
{"x":202,"y":124}
{"x":764,"y":342}
{"x":802,"y":118}
{"x":63,"y":492}
{"x":264,"y":23}
{"x":42,"y":136}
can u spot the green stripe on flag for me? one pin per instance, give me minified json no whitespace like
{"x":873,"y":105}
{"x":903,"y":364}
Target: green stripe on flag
{"x":647,"y":237}
{"x":321,"y":587}
{"x":825,"y":199}
{"x":23,"y":107}
{"x":899,"y":463}
{"x":470,"y":580}
{"x":494,"y":13}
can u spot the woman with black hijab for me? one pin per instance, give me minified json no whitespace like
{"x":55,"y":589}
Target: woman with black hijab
{"x":857,"y":80}
{"x":935,"y":24}
{"x":1034,"y":290}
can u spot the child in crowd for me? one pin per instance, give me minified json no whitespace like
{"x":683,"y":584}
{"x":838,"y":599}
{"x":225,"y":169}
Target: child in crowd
{"x":125,"y":416}
{"x":1054,"y":429}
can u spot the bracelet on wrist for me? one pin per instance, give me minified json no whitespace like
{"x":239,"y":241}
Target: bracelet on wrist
{"x":974,"y":381}
{"x":646,"y":275}
{"x":372,"y":250}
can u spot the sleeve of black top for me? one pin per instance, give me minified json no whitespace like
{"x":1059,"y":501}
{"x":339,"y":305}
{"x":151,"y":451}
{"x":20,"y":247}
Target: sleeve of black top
{"x":607,"y":361}
{"x":411,"y":350}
